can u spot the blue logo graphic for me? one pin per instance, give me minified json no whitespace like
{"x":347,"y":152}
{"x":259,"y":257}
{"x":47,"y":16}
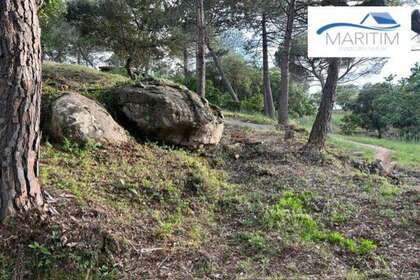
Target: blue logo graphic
{"x":379,"y":18}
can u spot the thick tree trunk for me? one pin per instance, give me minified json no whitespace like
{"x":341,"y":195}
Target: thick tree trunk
{"x":129,"y":69}
{"x":201,"y":50}
{"x":225,"y":80}
{"x":283,"y":106}
{"x":20,"y":97}
{"x":185,"y":63}
{"x":268,"y":96}
{"x":319,"y":130}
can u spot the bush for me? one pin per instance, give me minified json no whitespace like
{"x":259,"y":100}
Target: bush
{"x":349,"y":124}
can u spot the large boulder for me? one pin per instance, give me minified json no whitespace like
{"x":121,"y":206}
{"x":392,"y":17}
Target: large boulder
{"x":171,"y":113}
{"x":80,"y":119}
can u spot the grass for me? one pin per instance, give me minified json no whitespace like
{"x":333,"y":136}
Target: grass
{"x":250,"y":117}
{"x":307,"y":121}
{"x":353,"y":148}
{"x":162,"y":212}
{"x":404,"y":153}
{"x":72,"y":77}
{"x":170,"y":192}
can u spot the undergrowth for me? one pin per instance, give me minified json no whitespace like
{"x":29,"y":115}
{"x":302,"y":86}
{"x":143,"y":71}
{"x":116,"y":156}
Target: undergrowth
{"x":290,"y":217}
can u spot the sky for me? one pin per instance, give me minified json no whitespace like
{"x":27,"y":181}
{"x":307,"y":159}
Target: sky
{"x":399,"y":66}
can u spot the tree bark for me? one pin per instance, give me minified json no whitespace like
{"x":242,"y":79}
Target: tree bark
{"x":225,"y":80}
{"x":185,"y":63}
{"x":319,"y":130}
{"x":201,"y":50}
{"x":283,"y":106}
{"x":268,"y":96}
{"x":85,"y":57}
{"x":129,"y":69}
{"x":20,"y":98}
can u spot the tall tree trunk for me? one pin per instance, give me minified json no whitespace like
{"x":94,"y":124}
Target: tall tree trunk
{"x":283,"y":105}
{"x":20,"y":98}
{"x":86,"y":58}
{"x":129,"y":69}
{"x":225,"y":80}
{"x":268,"y":96}
{"x":185,"y":63}
{"x":319,"y":130}
{"x":201,"y":50}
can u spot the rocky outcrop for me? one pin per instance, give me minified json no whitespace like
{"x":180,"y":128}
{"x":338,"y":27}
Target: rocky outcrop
{"x":171,"y":113}
{"x":80,"y":119}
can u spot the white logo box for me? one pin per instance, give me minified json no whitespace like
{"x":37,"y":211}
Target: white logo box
{"x":359,"y":31}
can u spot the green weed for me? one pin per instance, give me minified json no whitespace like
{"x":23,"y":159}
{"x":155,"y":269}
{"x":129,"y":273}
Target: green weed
{"x":5,"y":268}
{"x":255,"y":241}
{"x":290,"y":216}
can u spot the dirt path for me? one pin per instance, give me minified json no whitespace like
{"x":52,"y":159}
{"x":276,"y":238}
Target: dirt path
{"x":381,"y":153}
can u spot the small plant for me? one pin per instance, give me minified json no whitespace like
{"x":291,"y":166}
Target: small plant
{"x":106,"y":272}
{"x":366,"y":246}
{"x":5,"y":269}
{"x":289,"y":215}
{"x":43,"y":256}
{"x":80,"y":150}
{"x":166,"y":226}
{"x":78,"y":189}
{"x":377,"y":184}
{"x":254,"y":240}
{"x":354,"y":274}
{"x":122,"y":186}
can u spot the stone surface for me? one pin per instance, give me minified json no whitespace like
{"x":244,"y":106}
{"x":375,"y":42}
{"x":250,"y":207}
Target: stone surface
{"x":80,"y":119}
{"x":171,"y":113}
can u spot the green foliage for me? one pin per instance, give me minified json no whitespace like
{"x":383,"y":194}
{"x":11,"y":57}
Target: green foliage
{"x":381,"y":186}
{"x":43,"y":256}
{"x":47,"y":260}
{"x":370,"y":107}
{"x":50,"y":11}
{"x":245,"y":79}
{"x":253,"y":103}
{"x":131,"y":29}
{"x":366,"y":246}
{"x":300,"y":104}
{"x":78,"y":149}
{"x":290,"y":216}
{"x":5,"y":268}
{"x":255,"y":241}
{"x":346,"y":95}
{"x":349,"y":124}
{"x":247,"y":83}
{"x":387,"y":105}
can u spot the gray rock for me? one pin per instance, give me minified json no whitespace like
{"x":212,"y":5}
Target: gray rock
{"x":76,"y":117}
{"x":171,"y":113}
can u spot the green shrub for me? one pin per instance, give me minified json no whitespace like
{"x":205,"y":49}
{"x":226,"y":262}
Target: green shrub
{"x":349,"y":124}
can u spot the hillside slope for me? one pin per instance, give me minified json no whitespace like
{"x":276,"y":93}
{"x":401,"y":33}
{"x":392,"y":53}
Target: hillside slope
{"x":251,"y":208}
